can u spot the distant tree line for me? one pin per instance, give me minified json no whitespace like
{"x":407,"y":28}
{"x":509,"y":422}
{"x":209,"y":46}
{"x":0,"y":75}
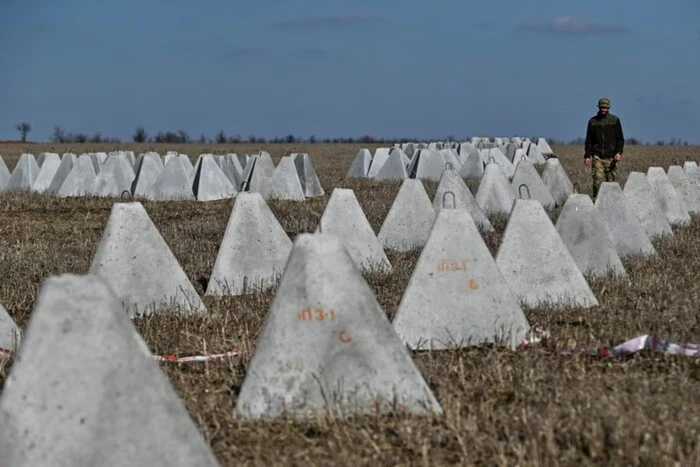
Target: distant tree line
{"x":59,"y":135}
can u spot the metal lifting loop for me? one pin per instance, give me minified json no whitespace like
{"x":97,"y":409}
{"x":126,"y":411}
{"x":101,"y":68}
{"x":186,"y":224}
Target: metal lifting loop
{"x":520,"y":191}
{"x":448,"y":164}
{"x":121,"y":196}
{"x":492,"y":159}
{"x":454,"y":200}
{"x":523,"y":157}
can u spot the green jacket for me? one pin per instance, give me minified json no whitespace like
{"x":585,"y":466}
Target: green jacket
{"x":604,"y":137}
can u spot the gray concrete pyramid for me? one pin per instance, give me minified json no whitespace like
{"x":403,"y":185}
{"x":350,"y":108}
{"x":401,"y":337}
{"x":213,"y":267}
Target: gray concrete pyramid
{"x":149,"y":170}
{"x":323,"y":302}
{"x":536,"y":263}
{"x":626,"y":231}
{"x":80,"y":181}
{"x":261,"y":175}
{"x":116,"y":177}
{"x":4,"y":174}
{"x":343,"y":216}
{"x":210,"y":183}
{"x":671,"y":203}
{"x":642,"y":200}
{"x":49,"y":166}
{"x":186,"y":162}
{"x":42,"y":156}
{"x":404,"y":158}
{"x":285,"y":181}
{"x":543,"y":147}
{"x":557,"y":182}
{"x":97,"y":161}
{"x":495,"y":194}
{"x":410,"y":218}
{"x":451,"y":159}
{"x":473,"y":167}
{"x":232,"y":169}
{"x":534,"y":155}
{"x":360,"y":165}
{"x":393,"y":168}
{"x":173,"y":183}
{"x":24,"y":174}
{"x":585,"y":233}
{"x":426,"y":165}
{"x":133,"y":258}
{"x":453,"y":193}
{"x":526,"y":174}
{"x":308,"y":177}
{"x":84,"y":389}
{"x":380,"y":157}
{"x":686,"y":187}
{"x":456,"y":295}
{"x":65,"y":167}
{"x":9,"y":333}
{"x":253,"y":252}
{"x":497,"y":156}
{"x":691,"y":168}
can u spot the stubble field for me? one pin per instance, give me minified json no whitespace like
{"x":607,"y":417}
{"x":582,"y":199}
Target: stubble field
{"x":502,"y":407}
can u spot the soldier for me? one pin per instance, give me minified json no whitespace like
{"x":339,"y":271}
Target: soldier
{"x":604,"y":144}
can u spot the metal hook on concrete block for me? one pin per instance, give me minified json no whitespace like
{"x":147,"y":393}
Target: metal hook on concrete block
{"x":520,"y":191}
{"x":121,"y":196}
{"x":454,"y":199}
{"x":523,"y":157}
{"x":492,"y":159}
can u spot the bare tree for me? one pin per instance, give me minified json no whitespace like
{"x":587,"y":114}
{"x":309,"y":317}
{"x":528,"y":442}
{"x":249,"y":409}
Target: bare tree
{"x":23,"y":129}
{"x":140,"y":135}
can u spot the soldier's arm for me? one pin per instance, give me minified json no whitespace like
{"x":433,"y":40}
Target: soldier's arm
{"x":620,"y":139}
{"x":589,"y":141}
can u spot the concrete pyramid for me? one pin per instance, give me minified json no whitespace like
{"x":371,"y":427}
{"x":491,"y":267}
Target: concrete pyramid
{"x":40,"y":159}
{"x":557,"y":182}
{"x":308,"y":177}
{"x":585,"y":233}
{"x":526,"y":174}
{"x":691,"y":168}
{"x":65,"y":167}
{"x":285,"y":181}
{"x":261,"y":175}
{"x":254,"y":249}
{"x":173,"y":183}
{"x":9,"y":333}
{"x":671,"y":203}
{"x":534,"y":155}
{"x":380,"y":157}
{"x":393,"y":168}
{"x":451,"y":159}
{"x":642,"y":200}
{"x":426,"y":165}
{"x":626,"y":231}
{"x":404,"y":158}
{"x":495,"y":194}
{"x":360,"y":165}
{"x":210,"y":183}
{"x":495,"y":155}
{"x":473,"y":167}
{"x":24,"y":174}
{"x":410,"y":218}
{"x":453,"y":193}
{"x":323,"y":302}
{"x":80,"y":181}
{"x":4,"y":174}
{"x":85,"y":390}
{"x":232,"y":169}
{"x":49,"y":166}
{"x":133,"y":258}
{"x":456,"y":295}
{"x":115,"y":177}
{"x":686,"y":187}
{"x":536,"y":263}
{"x":149,"y":170}
{"x":186,"y":162}
{"x":543,"y":147}
{"x":344,"y":217}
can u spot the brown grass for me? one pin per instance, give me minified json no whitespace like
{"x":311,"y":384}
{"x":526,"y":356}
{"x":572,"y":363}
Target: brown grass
{"x":501,"y":407}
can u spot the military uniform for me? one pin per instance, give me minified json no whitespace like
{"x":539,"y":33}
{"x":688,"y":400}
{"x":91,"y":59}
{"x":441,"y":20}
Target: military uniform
{"x":604,"y":139}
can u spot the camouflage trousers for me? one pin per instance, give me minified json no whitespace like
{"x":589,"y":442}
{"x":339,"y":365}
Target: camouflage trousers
{"x":604,"y":170}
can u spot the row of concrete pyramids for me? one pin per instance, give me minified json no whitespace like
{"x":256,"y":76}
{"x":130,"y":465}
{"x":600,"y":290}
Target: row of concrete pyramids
{"x":427,"y":164}
{"x":172,"y":177}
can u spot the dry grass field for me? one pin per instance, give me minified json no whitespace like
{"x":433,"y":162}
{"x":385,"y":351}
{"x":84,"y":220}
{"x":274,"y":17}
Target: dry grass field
{"x":501,"y":407}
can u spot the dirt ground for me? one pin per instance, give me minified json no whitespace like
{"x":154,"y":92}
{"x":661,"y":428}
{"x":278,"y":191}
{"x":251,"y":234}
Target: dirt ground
{"x":501,"y":407}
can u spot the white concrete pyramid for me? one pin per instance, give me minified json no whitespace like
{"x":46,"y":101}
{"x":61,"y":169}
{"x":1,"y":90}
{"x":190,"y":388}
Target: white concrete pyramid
{"x":671,"y":203}
{"x":210,"y":183}
{"x":543,"y":146}
{"x":261,"y":175}
{"x":536,"y":263}
{"x":343,"y":216}
{"x":84,"y":389}
{"x":426,"y":165}
{"x":80,"y":181}
{"x":456,"y":296}
{"x":691,"y":168}
{"x":116,"y":177}
{"x":49,"y":166}
{"x":360,"y":165}
{"x":393,"y":168}
{"x":626,"y":231}
{"x":133,"y":258}
{"x":410,"y":218}
{"x":149,"y":170}
{"x":686,"y":187}
{"x":557,"y":182}
{"x":253,"y":252}
{"x":65,"y":167}
{"x":4,"y":174}
{"x":644,"y":203}
{"x":173,"y":183}
{"x":378,"y":161}
{"x":285,"y":181}
{"x":526,"y":174}
{"x":9,"y":334}
{"x":323,"y":302}
{"x":472,"y":167}
{"x":308,"y":177}
{"x":24,"y":174}
{"x":453,"y":193}
{"x":495,"y":194}
{"x":585,"y":233}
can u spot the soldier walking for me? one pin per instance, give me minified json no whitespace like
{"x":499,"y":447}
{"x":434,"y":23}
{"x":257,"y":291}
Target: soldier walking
{"x":604,"y":144}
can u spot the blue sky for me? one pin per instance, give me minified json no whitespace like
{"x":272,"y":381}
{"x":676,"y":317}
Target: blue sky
{"x":348,"y":68}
